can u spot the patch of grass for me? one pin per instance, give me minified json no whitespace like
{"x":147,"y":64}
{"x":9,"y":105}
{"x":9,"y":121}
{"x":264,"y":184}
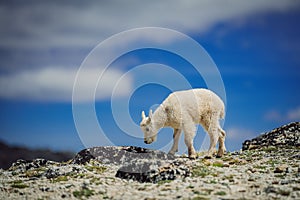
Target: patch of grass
{"x":200,"y":172}
{"x":260,"y":166}
{"x":18,"y":184}
{"x":213,"y":181}
{"x":78,"y":175}
{"x":284,"y":192}
{"x":163,"y":182}
{"x":83,"y":193}
{"x":272,"y":162}
{"x":190,"y":186}
{"x":95,"y":168}
{"x":220,"y":193}
{"x":207,"y":191}
{"x":59,"y":179}
{"x":35,"y":172}
{"x":96,"y":181}
{"x":230,"y":177}
{"x":269,"y":149}
{"x":282,"y":175}
{"x":218,"y":164}
{"x":199,"y":193}
{"x":200,"y":198}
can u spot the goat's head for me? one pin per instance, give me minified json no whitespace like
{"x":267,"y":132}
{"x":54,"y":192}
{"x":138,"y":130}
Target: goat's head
{"x":148,"y":128}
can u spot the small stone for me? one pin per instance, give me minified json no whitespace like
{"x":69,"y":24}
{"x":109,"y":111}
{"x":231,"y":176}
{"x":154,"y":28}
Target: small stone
{"x":225,"y":164}
{"x":281,"y":168}
{"x":252,"y":170}
{"x":270,"y":189}
{"x":284,"y":191}
{"x":206,"y":162}
{"x":236,"y":188}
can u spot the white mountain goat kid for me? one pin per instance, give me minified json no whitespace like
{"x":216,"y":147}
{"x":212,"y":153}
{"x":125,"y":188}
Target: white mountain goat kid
{"x":183,"y":110}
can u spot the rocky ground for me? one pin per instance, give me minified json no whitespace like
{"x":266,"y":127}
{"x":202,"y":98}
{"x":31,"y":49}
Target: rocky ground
{"x":269,"y":172}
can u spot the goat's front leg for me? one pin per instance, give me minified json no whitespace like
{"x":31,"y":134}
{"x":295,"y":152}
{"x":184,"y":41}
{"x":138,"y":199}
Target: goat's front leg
{"x":176,"y":136}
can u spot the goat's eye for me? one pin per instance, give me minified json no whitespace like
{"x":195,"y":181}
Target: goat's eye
{"x":147,"y":129}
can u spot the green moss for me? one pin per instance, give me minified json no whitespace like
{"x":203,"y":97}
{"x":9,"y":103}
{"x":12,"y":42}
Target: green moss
{"x":83,"y":193}
{"x":280,"y":175}
{"x":273,"y":162}
{"x":200,"y":198}
{"x":207,"y":191}
{"x":260,"y":166}
{"x":96,"y":181}
{"x":59,"y":179}
{"x":220,"y":193}
{"x":213,"y":182}
{"x":269,"y":149}
{"x":163,"y":182}
{"x":199,"y":192}
{"x":18,"y":184}
{"x":95,"y":168}
{"x":218,"y":164}
{"x":230,"y":177}
{"x":78,"y":175}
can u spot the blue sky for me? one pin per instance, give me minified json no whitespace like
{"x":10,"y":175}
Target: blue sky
{"x":255,"y":46}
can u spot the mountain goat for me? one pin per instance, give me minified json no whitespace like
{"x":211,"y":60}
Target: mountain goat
{"x":183,"y":110}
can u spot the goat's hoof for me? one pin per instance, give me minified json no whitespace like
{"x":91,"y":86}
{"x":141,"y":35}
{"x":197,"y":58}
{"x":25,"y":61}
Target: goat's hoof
{"x":208,"y":157}
{"x":220,"y":154}
{"x":193,"y":157}
{"x":171,"y":154}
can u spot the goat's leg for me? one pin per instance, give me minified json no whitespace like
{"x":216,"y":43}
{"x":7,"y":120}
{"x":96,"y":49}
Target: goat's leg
{"x":176,"y":136}
{"x":214,"y":137}
{"x":189,"y":134}
{"x":222,"y":148}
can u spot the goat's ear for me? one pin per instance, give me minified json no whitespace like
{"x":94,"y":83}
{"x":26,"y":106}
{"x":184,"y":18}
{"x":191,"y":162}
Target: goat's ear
{"x":150,"y":114}
{"x":143,"y":115}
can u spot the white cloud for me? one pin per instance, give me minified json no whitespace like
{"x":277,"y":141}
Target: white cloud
{"x":273,"y":115}
{"x":277,"y":116}
{"x":239,"y":134}
{"x":56,"y":24}
{"x":56,"y":84}
{"x":294,"y":114}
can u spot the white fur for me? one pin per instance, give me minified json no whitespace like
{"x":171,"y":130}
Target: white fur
{"x":183,"y":110}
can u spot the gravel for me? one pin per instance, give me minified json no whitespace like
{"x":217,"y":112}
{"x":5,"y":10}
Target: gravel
{"x":269,"y":172}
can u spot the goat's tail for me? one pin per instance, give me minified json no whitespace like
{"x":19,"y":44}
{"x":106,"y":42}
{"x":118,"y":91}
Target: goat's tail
{"x":222,"y":113}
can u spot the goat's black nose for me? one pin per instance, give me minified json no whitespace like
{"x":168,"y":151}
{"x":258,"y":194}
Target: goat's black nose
{"x":146,"y":141}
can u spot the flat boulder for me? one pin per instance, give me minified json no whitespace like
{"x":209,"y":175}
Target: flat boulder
{"x":136,"y":163}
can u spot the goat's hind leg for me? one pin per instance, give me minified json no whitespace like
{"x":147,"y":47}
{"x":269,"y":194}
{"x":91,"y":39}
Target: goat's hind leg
{"x":189,"y":134}
{"x":222,"y":148}
{"x":214,"y":137}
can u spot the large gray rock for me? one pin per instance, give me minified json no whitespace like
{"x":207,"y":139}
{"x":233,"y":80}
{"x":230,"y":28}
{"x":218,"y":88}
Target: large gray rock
{"x":287,"y":135}
{"x":119,"y":155}
{"x":140,"y":164}
{"x":153,"y":170}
